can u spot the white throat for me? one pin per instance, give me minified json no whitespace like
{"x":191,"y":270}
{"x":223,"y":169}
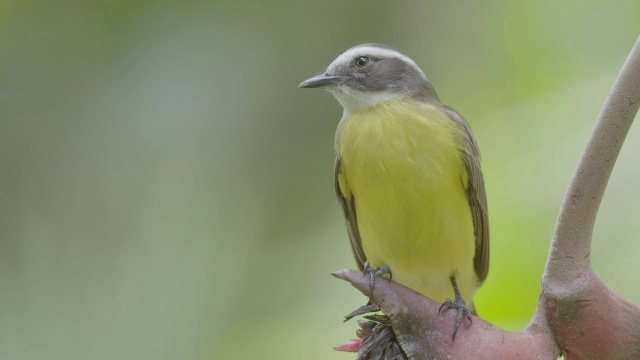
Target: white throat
{"x":355,"y":100}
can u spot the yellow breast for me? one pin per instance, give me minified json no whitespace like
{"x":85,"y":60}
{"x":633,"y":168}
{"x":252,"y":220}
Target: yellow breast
{"x":401,"y":162}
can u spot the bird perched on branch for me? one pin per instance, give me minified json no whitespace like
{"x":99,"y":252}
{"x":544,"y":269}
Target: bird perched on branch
{"x":408,"y":177}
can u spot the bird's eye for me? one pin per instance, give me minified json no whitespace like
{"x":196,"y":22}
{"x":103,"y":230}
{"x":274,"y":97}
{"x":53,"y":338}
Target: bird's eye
{"x":362,"y":61}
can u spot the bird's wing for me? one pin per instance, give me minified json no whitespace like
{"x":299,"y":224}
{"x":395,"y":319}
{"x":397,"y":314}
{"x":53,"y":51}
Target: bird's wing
{"x":349,"y":211}
{"x":475,"y":194}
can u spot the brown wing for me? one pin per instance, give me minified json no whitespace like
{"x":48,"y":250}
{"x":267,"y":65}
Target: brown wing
{"x":475,"y":194}
{"x":349,"y":211}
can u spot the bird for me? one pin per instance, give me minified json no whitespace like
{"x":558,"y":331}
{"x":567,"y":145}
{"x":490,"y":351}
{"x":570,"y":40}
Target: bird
{"x":408,"y":178}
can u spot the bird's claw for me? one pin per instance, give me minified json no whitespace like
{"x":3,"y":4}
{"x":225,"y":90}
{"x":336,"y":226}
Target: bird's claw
{"x":373,"y":273}
{"x":462,"y":311}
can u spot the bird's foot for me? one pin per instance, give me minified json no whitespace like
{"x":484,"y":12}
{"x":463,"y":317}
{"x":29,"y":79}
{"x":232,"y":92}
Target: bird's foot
{"x":462,"y":311}
{"x":373,"y":273}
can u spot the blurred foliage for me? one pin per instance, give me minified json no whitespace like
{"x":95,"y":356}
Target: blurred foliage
{"x":166,"y":190}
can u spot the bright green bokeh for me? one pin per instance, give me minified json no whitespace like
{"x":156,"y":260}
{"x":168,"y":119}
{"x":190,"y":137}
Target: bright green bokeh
{"x":166,"y":190}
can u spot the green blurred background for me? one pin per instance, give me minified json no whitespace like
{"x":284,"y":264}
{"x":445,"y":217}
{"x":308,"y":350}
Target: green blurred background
{"x":166,"y":190}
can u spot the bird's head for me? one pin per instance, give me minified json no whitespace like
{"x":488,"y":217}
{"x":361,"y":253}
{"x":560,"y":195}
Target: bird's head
{"x":369,"y":74}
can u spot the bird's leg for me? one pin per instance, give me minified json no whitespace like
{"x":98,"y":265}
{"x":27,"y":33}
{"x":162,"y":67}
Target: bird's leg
{"x":373,"y":272}
{"x":457,"y":304}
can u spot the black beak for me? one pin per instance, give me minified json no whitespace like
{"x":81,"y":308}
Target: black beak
{"x":320,"y":81}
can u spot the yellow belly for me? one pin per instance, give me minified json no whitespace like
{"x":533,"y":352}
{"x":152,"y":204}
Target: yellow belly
{"x":401,"y":162}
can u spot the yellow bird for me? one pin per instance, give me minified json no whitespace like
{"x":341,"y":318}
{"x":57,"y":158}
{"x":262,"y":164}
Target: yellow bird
{"x":408,"y":177}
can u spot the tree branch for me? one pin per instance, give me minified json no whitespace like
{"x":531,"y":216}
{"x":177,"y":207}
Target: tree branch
{"x":425,"y":334}
{"x":588,"y":319}
{"x":570,"y":250}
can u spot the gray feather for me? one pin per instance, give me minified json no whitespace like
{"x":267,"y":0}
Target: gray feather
{"x":476,"y":195}
{"x":349,"y":211}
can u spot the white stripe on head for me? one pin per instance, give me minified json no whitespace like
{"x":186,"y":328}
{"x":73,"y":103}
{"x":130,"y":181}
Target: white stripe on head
{"x":373,"y":51}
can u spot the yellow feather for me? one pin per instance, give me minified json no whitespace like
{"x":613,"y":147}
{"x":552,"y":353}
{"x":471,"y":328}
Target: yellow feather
{"x":401,"y":162}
